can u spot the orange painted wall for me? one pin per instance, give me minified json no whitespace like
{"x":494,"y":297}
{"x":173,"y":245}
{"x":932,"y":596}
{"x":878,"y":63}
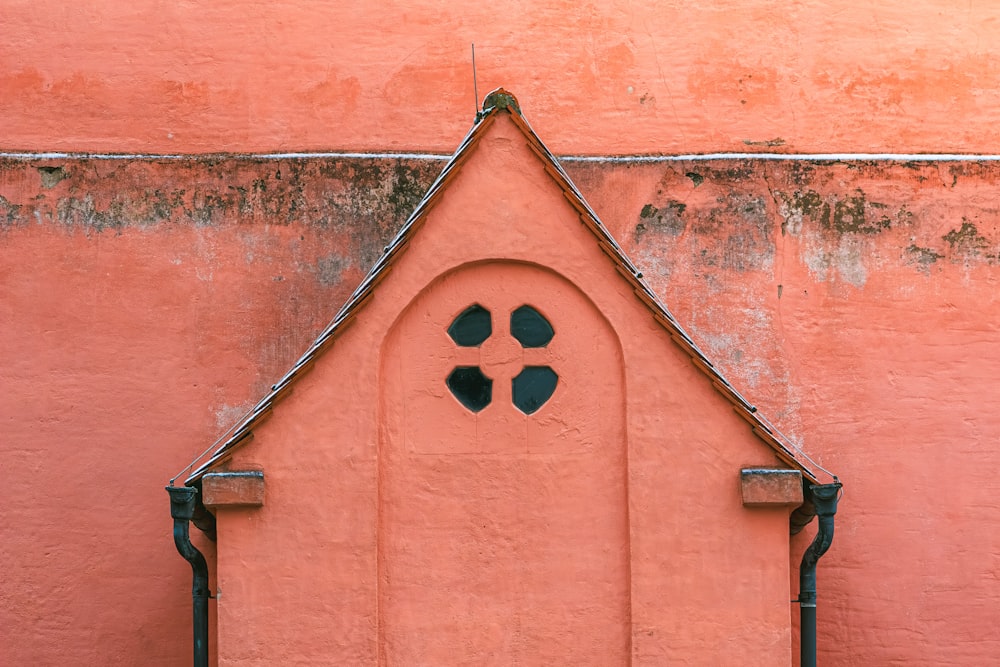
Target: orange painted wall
{"x":599,"y":77}
{"x":146,"y":303}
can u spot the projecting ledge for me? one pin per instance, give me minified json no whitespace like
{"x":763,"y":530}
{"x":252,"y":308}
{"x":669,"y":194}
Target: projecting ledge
{"x":233,"y":489}
{"x":771,"y":488}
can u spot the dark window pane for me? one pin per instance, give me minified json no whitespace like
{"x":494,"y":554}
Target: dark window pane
{"x":472,"y":327}
{"x":532,"y":387}
{"x":529,"y":327}
{"x":473,"y":389}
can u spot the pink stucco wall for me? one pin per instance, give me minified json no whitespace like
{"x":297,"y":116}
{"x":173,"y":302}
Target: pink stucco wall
{"x":146,"y":303}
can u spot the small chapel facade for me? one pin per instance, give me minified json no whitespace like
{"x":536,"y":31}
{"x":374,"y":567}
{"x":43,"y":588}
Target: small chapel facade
{"x":504,"y":450}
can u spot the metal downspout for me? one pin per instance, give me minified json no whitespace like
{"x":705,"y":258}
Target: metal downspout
{"x":824,"y":498}
{"x":182,"y":510}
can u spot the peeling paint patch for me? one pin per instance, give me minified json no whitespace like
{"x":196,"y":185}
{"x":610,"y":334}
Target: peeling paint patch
{"x":922,"y":257}
{"x":795,"y":207}
{"x":82,"y":212}
{"x":666,"y":219}
{"x":695,"y":177}
{"x":51,"y":176}
{"x":407,"y":191}
{"x":856,"y":215}
{"x":9,"y":212}
{"x":149,"y":207}
{"x":770,"y":143}
{"x":966,"y":241}
{"x":853,"y":214}
{"x":837,"y":231}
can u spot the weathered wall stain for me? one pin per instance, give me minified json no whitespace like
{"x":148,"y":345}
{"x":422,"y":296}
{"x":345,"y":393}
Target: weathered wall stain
{"x":9,"y":212}
{"x":719,"y":229}
{"x":727,"y":215}
{"x":366,"y":199}
{"x":967,"y":242}
{"x":330,"y":269}
{"x":923,"y":257}
{"x":843,"y":220}
{"x":667,"y":219}
{"x":741,"y":229}
{"x":840,"y":213}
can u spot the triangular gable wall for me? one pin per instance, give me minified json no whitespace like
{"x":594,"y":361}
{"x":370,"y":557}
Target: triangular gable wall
{"x":501,"y":102}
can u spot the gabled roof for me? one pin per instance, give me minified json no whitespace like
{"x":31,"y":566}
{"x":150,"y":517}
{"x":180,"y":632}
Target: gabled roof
{"x":497,"y":102}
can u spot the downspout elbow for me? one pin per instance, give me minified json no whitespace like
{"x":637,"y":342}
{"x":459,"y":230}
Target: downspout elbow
{"x":824,"y":497}
{"x":183,"y":502}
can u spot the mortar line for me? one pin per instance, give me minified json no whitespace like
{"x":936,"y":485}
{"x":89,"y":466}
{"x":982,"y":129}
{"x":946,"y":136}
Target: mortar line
{"x":217,"y":156}
{"x":812,"y":157}
{"x":686,"y":157}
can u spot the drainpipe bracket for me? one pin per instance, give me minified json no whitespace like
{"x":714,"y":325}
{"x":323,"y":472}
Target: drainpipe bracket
{"x":764,"y":487}
{"x":242,"y":488}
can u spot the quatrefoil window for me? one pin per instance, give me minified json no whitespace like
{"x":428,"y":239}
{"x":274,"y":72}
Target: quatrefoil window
{"x":531,"y":388}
